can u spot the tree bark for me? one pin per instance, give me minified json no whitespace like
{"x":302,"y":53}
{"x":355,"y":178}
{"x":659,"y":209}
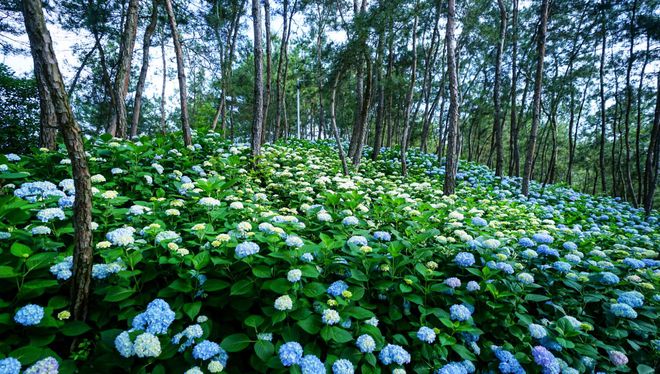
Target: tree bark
{"x":333,"y":120}
{"x":513,"y":139}
{"x":497,"y":121}
{"x":380,"y":111}
{"x":45,"y":61}
{"x":268,"y":67}
{"x":451,"y":164}
{"x":257,"y":119}
{"x":83,"y":63}
{"x":181,"y":73}
{"x":409,"y":97}
{"x":601,"y":155}
{"x":653,"y":154}
{"x":319,"y":72}
{"x":280,"y":83}
{"x":118,"y":118}
{"x":47,"y":116}
{"x":536,"y":109}
{"x":629,"y":94}
{"x":146,"y":44}
{"x":638,"y":163}
{"x":163,"y":126}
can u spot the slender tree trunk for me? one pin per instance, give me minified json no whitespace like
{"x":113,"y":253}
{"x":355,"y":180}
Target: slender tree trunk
{"x":409,"y":97}
{"x":47,"y":117}
{"x":118,"y":118}
{"x":629,"y":98}
{"x":146,"y":44}
{"x":536,"y":111}
{"x":638,"y":162}
{"x":257,"y":119}
{"x":74,"y":83}
{"x":181,"y":73}
{"x":601,"y":155}
{"x":333,"y":121}
{"x":163,"y":127}
{"x":380,"y":111}
{"x":364,"y":114}
{"x":45,"y":61}
{"x":451,"y":164}
{"x":280,"y":82}
{"x":268,"y":68}
{"x":431,"y":57}
{"x":497,"y":125}
{"x":319,"y":71}
{"x":653,"y":154}
{"x":513,"y":138}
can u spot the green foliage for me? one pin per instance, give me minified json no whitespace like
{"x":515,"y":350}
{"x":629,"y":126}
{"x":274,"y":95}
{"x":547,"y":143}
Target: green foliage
{"x":19,"y":112}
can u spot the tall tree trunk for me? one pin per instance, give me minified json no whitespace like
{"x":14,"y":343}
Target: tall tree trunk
{"x":513,"y":138}
{"x":380,"y":111}
{"x":74,"y":82}
{"x":409,"y":97}
{"x":451,"y":164}
{"x":280,"y":83}
{"x":629,"y":98}
{"x":257,"y":119}
{"x":45,"y":61}
{"x":601,"y":155}
{"x":363,"y":123}
{"x":536,"y":110}
{"x":638,"y":163}
{"x":333,"y":121}
{"x":181,"y":74}
{"x":653,"y":154}
{"x":319,"y":70}
{"x":118,"y":118}
{"x":146,"y":44}
{"x":47,"y":117}
{"x":163,"y":126}
{"x":429,"y":62}
{"x":497,"y":120}
{"x":268,"y":67}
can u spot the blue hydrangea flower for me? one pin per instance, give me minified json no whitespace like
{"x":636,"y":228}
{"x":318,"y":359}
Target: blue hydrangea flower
{"x":343,"y":366}
{"x":102,"y":271}
{"x":358,"y":240}
{"x":632,"y":298}
{"x":63,"y":270}
{"x":426,"y":334}
{"x":544,"y":250}
{"x":205,"y":350}
{"x":472,"y":286}
{"x":307,"y":257}
{"x":561,"y":266}
{"x":508,"y":363}
{"x":623,"y":311}
{"x":463,"y":367}
{"x":365,"y":343}
{"x":459,"y":313}
{"x":336,"y":288}
{"x":48,"y":365}
{"x":350,"y":221}
{"x":29,"y":315}
{"x":393,"y":353}
{"x":537,"y":331}
{"x":551,"y":344}
{"x":246,"y":249}
{"x":310,"y":364}
{"x":382,"y":236}
{"x":464,"y":259}
{"x":634,"y":263}
{"x":570,"y":246}
{"x":526,"y":242}
{"x":293,"y":241}
{"x":49,"y":214}
{"x":330,"y":317}
{"x":478,"y":221}
{"x":525,"y":278}
{"x":10,"y":365}
{"x":191,"y":333}
{"x":543,"y":238}
{"x":121,"y":237}
{"x":156,"y":319}
{"x":147,"y":345}
{"x":546,"y":360}
{"x":608,"y":278}
{"x":290,"y":353}
{"x":124,"y":345}
{"x":453,"y":282}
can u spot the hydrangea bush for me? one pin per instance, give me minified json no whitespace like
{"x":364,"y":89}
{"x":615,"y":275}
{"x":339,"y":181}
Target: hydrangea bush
{"x":204,"y":265}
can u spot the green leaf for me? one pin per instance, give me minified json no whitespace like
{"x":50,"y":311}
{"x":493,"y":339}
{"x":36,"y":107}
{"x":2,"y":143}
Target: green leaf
{"x":235,"y":342}
{"x":7,"y":272}
{"x":314,"y":289}
{"x":463,"y":352}
{"x":340,"y":335}
{"x":254,"y":321}
{"x":20,"y":250}
{"x":192,"y":309}
{"x":181,"y":285}
{"x":241,"y":287}
{"x":117,"y":293}
{"x":74,"y":328}
{"x":262,"y":271}
{"x":644,"y":369}
{"x":215,"y":285}
{"x":264,"y":349}
{"x":536,"y":298}
{"x":311,"y":325}
{"x":359,"y":312}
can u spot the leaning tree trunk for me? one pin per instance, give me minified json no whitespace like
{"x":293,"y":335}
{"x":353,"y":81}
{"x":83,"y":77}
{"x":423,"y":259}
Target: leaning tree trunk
{"x":513,"y":138}
{"x":497,"y":120}
{"x":181,"y":73}
{"x":47,"y":115}
{"x":452,"y":131}
{"x":118,"y":125}
{"x":257,"y":119}
{"x":409,"y":97}
{"x":146,"y":43}
{"x":333,"y":120}
{"x":653,"y":154}
{"x":536,"y":110}
{"x":45,"y":61}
